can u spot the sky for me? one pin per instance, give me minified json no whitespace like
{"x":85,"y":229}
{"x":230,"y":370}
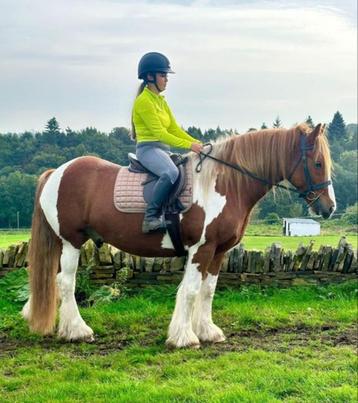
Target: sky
{"x":238,"y":63}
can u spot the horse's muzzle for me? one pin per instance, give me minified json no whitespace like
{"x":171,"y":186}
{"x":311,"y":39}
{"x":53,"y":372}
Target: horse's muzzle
{"x":319,"y":208}
{"x":328,"y":213}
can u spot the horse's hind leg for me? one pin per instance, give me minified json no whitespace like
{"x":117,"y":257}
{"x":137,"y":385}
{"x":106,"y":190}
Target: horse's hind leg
{"x":26,"y":310}
{"x":71,"y":326}
{"x":203,"y":324}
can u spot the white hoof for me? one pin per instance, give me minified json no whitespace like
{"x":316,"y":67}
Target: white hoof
{"x":75,"y":330}
{"x":209,"y":332}
{"x":26,"y":310}
{"x":183,"y":338}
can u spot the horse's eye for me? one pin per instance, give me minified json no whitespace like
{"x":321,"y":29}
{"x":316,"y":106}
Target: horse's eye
{"x":318,"y":164}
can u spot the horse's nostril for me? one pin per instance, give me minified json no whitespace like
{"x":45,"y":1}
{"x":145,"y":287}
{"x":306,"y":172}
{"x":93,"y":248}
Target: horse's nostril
{"x":331,"y":209}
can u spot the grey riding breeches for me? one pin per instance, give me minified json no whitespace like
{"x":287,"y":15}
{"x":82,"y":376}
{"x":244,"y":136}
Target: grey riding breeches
{"x":154,"y":156}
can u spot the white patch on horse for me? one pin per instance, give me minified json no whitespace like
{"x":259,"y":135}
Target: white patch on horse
{"x":49,"y":197}
{"x":26,"y":309}
{"x":203,"y":324}
{"x":71,"y":325}
{"x":180,"y":332}
{"x":211,"y":201}
{"x":331,"y":194}
{"x":167,"y":242}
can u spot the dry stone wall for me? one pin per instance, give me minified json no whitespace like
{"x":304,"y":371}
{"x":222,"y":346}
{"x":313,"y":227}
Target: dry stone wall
{"x":240,"y":266}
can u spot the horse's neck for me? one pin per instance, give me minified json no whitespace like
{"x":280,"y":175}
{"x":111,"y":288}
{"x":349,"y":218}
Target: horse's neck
{"x":269,"y":149}
{"x":250,"y":190}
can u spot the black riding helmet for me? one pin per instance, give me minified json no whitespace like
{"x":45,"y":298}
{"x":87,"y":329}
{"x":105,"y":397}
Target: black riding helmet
{"x":153,"y":62}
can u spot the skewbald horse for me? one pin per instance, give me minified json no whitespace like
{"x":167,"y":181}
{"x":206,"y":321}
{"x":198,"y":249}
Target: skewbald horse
{"x":79,"y":195}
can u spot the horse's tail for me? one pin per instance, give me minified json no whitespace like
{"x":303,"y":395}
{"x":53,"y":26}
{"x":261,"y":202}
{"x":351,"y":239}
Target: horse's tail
{"x":44,"y":257}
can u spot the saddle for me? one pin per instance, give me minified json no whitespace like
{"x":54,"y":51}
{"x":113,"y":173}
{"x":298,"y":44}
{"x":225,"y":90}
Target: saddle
{"x":134,"y":188}
{"x":173,"y":204}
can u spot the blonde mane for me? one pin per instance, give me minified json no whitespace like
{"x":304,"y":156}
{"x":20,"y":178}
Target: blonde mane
{"x":266,"y":153}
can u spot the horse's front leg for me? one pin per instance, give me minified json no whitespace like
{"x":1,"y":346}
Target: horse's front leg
{"x":180,"y":332}
{"x":203,"y":324}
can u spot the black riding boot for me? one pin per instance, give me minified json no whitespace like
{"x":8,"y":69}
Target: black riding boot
{"x":152,"y":220}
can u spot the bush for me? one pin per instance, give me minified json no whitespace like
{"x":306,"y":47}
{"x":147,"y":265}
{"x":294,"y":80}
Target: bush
{"x":296,"y":210}
{"x":88,"y":293}
{"x":15,"y":286}
{"x":351,"y":215}
{"x":113,"y":292}
{"x":272,"y":218}
{"x":84,"y":286}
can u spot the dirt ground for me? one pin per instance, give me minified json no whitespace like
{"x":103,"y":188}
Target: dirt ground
{"x":276,"y":339}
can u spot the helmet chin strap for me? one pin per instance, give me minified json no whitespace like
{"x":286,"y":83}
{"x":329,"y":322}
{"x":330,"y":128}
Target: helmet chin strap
{"x":153,"y":82}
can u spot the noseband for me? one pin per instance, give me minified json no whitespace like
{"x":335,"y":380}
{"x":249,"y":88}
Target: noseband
{"x":309,"y":193}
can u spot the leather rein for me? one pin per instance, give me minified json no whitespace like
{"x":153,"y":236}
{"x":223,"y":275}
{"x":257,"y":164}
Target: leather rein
{"x":309,"y":193}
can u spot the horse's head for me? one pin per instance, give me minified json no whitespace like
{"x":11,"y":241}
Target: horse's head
{"x":311,"y":171}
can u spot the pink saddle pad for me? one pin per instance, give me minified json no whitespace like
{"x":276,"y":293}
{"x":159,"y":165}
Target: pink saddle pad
{"x":128,"y":191}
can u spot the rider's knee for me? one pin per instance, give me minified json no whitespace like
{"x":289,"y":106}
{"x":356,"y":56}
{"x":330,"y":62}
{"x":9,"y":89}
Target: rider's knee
{"x":172,"y":173}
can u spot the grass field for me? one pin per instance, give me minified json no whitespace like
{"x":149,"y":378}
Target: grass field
{"x":291,"y":243}
{"x":8,"y":238}
{"x":291,"y":345}
{"x":256,"y":237}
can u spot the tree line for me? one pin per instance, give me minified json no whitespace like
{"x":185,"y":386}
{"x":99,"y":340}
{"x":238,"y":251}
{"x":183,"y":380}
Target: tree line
{"x":24,"y":156}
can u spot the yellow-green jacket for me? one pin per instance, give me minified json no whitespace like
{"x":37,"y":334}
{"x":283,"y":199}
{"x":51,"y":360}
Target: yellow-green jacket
{"x":154,"y":121}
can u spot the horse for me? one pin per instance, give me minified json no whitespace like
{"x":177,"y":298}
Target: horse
{"x":79,"y":195}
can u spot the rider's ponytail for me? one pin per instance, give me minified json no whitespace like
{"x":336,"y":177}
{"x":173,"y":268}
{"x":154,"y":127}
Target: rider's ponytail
{"x":140,"y":90}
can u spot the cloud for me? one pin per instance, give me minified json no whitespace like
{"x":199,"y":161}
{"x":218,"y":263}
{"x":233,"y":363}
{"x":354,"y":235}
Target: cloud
{"x":237,"y":64}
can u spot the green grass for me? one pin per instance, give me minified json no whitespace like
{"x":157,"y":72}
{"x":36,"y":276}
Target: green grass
{"x":291,"y":243}
{"x":8,"y":238}
{"x":292,"y":345}
{"x":258,"y":236}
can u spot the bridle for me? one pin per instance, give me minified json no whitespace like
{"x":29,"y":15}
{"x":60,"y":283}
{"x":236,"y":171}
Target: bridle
{"x":309,"y":193}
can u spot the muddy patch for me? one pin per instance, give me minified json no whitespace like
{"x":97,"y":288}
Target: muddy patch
{"x":275,"y":339}
{"x":287,"y":338}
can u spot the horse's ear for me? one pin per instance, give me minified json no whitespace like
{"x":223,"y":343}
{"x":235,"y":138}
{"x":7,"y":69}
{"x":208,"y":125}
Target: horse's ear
{"x":318,"y":130}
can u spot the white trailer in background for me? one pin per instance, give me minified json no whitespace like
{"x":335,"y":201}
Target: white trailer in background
{"x":300,"y":227}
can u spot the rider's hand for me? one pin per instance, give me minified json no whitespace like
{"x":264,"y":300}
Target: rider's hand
{"x":196,"y":147}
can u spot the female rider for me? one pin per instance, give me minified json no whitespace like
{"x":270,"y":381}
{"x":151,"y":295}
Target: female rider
{"x":154,"y":128}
